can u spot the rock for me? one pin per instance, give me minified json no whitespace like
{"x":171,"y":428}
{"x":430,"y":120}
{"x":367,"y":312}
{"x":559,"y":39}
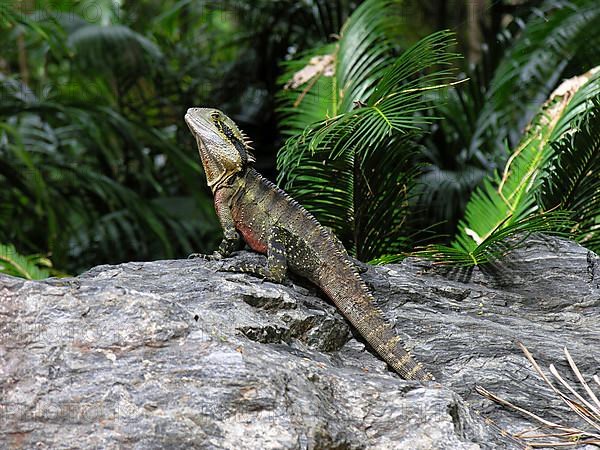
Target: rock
{"x":177,"y":354}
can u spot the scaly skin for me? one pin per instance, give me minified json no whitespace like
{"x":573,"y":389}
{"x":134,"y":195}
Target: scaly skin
{"x":274,"y":224}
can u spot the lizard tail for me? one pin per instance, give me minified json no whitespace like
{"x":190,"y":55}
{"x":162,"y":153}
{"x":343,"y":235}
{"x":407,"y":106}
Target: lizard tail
{"x":357,"y":305}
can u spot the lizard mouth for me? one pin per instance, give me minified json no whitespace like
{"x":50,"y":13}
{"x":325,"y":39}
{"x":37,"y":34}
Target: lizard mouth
{"x":192,"y":124}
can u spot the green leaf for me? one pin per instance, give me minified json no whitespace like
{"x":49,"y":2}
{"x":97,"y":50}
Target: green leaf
{"x":519,"y":68}
{"x":508,"y":203}
{"x":352,"y":127}
{"x":557,"y":34}
{"x":573,"y":183}
{"x":29,"y":267}
{"x":114,"y":50}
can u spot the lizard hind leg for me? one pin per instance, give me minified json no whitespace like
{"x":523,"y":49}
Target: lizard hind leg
{"x":276,"y":268}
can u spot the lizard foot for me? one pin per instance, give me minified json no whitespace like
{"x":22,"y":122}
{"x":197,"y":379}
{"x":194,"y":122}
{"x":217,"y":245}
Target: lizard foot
{"x":256,"y":270}
{"x":215,"y":256}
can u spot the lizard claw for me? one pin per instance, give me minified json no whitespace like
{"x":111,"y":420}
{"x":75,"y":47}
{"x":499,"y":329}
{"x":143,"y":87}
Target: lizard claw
{"x":212,"y":257}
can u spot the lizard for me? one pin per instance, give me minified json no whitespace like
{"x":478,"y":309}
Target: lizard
{"x":273,"y":223}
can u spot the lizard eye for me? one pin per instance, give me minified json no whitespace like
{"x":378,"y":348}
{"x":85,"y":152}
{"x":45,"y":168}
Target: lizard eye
{"x":215,"y":116}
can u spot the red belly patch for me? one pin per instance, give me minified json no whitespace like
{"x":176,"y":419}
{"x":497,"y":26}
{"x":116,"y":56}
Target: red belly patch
{"x":251,"y":238}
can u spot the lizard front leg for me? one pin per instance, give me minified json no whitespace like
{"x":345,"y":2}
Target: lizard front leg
{"x":276,"y":268}
{"x":231,"y":237}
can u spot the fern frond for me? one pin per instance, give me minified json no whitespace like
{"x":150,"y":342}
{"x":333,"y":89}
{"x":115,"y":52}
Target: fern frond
{"x":557,"y":33}
{"x":29,"y":267}
{"x":573,"y":183}
{"x":348,"y":128}
{"x":114,"y":50}
{"x":507,"y":203}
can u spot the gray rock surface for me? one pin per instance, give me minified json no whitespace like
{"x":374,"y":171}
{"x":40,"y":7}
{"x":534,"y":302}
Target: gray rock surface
{"x":177,"y":354}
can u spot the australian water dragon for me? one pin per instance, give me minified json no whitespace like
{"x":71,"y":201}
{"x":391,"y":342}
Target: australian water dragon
{"x":271,"y":222}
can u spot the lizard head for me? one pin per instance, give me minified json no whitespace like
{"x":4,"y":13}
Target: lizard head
{"x":223,"y":148}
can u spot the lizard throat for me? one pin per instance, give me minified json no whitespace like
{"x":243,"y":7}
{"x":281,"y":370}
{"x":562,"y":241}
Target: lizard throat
{"x":216,"y":172}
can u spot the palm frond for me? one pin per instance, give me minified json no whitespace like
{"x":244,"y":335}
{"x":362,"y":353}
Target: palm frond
{"x":103,"y":163}
{"x":115,"y":51}
{"x":11,"y":16}
{"x":348,"y":126}
{"x":393,"y":100}
{"x":573,"y":183}
{"x":311,"y":101}
{"x":519,"y":68}
{"x":557,"y":33}
{"x":29,"y":267}
{"x":507,"y":237}
{"x":507,"y":203}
